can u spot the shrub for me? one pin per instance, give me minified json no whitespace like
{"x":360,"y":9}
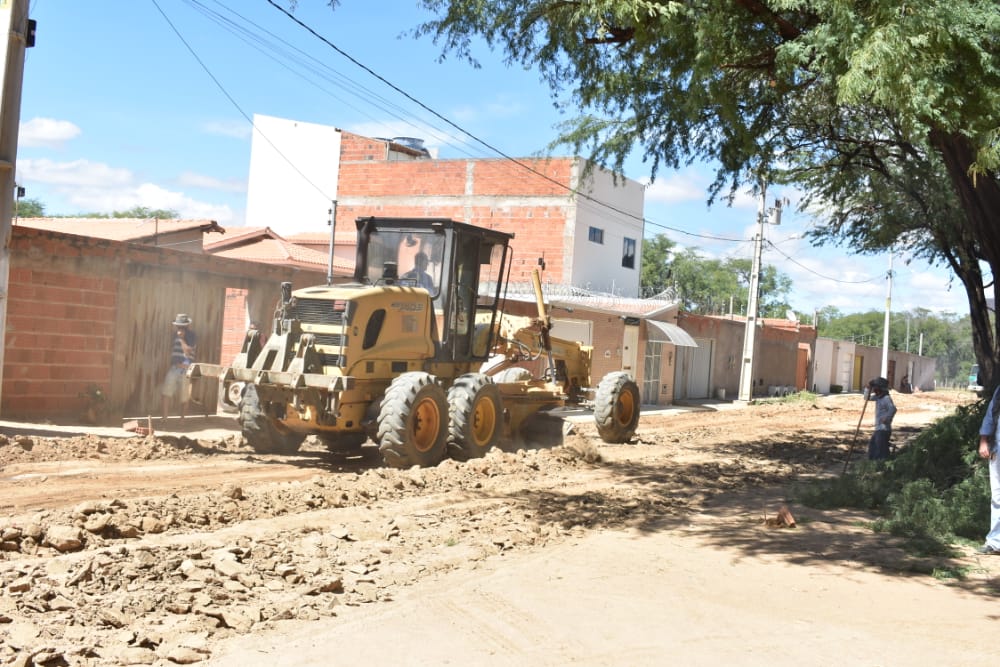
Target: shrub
{"x":933,"y":491}
{"x":836,"y":389}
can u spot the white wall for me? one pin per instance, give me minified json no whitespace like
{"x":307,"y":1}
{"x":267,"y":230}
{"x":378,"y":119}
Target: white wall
{"x":599,"y":266}
{"x":293,"y":175}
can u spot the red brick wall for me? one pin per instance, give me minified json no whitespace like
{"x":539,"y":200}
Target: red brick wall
{"x":496,"y":194}
{"x":234,"y":324}
{"x":59,"y":339}
{"x":84,"y":311}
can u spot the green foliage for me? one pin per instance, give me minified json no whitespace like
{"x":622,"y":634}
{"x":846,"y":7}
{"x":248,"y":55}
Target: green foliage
{"x":934,"y":491}
{"x":143,"y":212}
{"x":864,"y":488}
{"x":30,"y":208}
{"x":710,"y":286}
{"x":655,"y":274}
{"x":884,"y":114}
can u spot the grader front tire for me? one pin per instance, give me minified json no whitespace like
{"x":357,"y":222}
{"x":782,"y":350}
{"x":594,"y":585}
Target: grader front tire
{"x":476,"y":416}
{"x":413,"y":422}
{"x":616,"y":408}
{"x":264,"y":434}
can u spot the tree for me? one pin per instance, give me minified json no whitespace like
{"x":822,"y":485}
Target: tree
{"x":141,"y":212}
{"x":744,"y":81}
{"x":29,"y":208}
{"x":654,"y":275}
{"x":710,"y":286}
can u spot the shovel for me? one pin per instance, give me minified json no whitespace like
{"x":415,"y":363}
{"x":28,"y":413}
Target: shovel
{"x":856,"y":432}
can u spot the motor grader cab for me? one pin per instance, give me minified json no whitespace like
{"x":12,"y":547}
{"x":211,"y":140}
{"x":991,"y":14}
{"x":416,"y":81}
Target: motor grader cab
{"x":395,"y":355}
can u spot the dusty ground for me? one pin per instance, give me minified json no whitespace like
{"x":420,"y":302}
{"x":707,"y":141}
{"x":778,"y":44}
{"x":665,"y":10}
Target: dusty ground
{"x":188,"y":547}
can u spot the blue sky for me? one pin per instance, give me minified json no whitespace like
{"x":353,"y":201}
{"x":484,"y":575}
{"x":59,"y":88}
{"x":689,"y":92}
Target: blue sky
{"x":148,"y":103}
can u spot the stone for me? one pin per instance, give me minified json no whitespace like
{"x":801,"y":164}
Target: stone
{"x":229,"y":568}
{"x":86,"y":508}
{"x":97,"y":523}
{"x":240,"y":620}
{"x":184,"y":656}
{"x":152,"y":524}
{"x":20,"y":585}
{"x":232,"y":491}
{"x":135,"y":655}
{"x":63,"y":538}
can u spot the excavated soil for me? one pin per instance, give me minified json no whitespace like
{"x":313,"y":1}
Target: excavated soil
{"x":186,"y":546}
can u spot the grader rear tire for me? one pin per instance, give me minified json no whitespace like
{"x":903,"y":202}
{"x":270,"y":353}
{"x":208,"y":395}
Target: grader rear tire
{"x":476,"y":416}
{"x":616,"y":408}
{"x":264,"y":434}
{"x":413,"y":422}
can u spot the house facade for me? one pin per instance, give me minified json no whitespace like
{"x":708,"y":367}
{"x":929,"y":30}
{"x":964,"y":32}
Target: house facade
{"x":579,"y":227}
{"x":842,"y":365}
{"x":782,"y":355}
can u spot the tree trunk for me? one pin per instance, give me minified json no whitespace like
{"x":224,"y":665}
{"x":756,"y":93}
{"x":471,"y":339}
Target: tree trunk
{"x":980,"y":201}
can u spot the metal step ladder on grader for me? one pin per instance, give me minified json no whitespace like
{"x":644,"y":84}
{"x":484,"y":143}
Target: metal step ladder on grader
{"x":398,"y":355}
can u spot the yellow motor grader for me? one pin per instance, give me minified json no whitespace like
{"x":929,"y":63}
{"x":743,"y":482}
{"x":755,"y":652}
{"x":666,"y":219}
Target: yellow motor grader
{"x":415,"y":353}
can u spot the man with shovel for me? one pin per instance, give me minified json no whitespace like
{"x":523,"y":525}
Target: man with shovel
{"x":885,"y":410}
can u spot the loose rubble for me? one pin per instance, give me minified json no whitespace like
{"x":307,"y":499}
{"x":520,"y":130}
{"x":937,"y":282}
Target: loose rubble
{"x":122,"y":580}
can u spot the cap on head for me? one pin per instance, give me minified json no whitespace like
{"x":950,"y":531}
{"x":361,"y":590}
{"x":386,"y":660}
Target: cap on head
{"x":879,"y":383}
{"x":182,"y":320}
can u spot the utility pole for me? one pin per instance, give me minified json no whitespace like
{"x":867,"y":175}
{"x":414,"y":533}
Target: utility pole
{"x":885,"y":328}
{"x":333,"y":227}
{"x":753,"y":305}
{"x":17,"y":33}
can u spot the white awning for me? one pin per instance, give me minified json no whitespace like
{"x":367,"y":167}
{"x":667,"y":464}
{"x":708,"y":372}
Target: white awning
{"x":664,"y":332}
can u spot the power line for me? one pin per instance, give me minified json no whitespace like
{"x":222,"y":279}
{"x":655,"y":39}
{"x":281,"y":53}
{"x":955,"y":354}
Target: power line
{"x":280,"y":50}
{"x":233,"y":101}
{"x":482,"y":142}
{"x":816,"y":273}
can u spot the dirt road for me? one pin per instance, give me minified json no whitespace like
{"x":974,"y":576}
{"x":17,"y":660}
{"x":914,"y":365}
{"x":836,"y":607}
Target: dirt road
{"x":187,"y":547}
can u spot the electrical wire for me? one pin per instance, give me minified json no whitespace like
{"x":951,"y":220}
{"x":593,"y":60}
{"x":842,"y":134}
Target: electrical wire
{"x":482,"y":142}
{"x":280,"y":50}
{"x":818,"y":274}
{"x":234,"y":102}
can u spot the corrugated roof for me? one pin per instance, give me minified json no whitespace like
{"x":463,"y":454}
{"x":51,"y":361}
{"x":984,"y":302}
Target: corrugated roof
{"x":279,"y":251}
{"x":242,"y":236}
{"x":310,"y":238}
{"x":120,"y":229}
{"x":568,"y":297}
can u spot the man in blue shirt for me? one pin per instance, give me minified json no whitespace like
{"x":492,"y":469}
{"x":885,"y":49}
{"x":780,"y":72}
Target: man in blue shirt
{"x":182,"y":353}
{"x":419,"y":273}
{"x":988,"y":451}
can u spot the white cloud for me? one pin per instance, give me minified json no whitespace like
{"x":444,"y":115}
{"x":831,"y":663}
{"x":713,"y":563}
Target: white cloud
{"x":46,"y":132}
{"x":238,"y":129}
{"x":93,"y":187}
{"x":680,"y":187}
{"x":77,"y":173}
{"x":151,"y":196}
{"x":195,"y":180}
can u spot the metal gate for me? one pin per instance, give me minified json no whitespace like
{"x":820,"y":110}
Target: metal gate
{"x":693,"y":370}
{"x":651,"y":373}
